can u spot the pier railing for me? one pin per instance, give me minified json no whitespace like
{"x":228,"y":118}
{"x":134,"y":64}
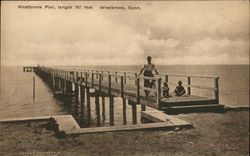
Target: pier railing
{"x":129,"y":82}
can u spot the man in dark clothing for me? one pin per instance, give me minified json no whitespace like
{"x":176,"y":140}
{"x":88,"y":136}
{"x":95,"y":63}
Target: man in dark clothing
{"x":179,"y":90}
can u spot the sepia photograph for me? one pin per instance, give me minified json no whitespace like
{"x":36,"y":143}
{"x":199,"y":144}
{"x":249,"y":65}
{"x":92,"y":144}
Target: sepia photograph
{"x":143,"y":78}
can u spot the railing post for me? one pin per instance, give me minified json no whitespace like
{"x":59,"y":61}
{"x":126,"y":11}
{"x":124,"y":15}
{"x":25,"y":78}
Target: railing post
{"x":116,"y":77}
{"x":216,"y":92}
{"x":158,"y":99}
{"x":125,"y":78}
{"x":138,"y":99}
{"x":53,"y":83}
{"x":166,"y":78}
{"x":86,"y":79}
{"x":77,"y":74}
{"x":189,"y":87}
{"x":81,"y":77}
{"x":100,"y":83}
{"x":102,"y":75}
{"x":92,"y":79}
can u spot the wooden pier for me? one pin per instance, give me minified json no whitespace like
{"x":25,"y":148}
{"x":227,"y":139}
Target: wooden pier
{"x":128,"y":86}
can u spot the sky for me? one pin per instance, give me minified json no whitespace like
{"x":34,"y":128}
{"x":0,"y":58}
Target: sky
{"x":172,"y":32}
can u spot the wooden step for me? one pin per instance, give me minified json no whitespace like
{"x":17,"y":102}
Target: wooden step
{"x":193,"y":108}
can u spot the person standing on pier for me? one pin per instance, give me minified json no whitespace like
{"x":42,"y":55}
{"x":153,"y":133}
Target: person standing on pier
{"x":148,"y":71}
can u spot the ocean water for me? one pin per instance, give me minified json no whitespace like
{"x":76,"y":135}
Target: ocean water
{"x":17,"y":100}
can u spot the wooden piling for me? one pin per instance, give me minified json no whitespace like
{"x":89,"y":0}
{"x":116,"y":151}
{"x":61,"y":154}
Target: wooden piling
{"x":116,"y":77}
{"x":216,"y":91}
{"x":111,"y":109}
{"x":103,"y":105}
{"x":76,"y":90}
{"x":82,"y":95}
{"x":134,"y":112}
{"x":92,"y":79}
{"x":189,"y":83}
{"x":88,"y":104}
{"x":34,"y":86}
{"x":64,"y":86}
{"x":97,"y":107}
{"x":123,"y":102}
{"x":111,"y":102}
{"x":53,"y":84}
{"x":97,"y":100}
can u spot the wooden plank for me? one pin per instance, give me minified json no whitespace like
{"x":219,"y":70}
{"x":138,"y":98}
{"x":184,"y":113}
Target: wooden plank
{"x":149,"y":126}
{"x":159,"y":116}
{"x":66,"y":123}
{"x":23,"y":119}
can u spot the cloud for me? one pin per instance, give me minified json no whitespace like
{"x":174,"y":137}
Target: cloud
{"x":171,"y":32}
{"x":218,"y":47}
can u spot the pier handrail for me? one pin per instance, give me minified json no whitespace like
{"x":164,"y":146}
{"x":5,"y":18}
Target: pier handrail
{"x":187,"y":75}
{"x":134,"y":76}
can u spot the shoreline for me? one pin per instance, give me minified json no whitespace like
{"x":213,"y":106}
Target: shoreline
{"x":213,"y":134}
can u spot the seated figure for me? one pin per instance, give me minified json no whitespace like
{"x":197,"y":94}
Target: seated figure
{"x":165,"y":90}
{"x":179,"y":90}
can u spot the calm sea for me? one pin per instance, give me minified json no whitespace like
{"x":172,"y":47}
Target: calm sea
{"x":17,"y":100}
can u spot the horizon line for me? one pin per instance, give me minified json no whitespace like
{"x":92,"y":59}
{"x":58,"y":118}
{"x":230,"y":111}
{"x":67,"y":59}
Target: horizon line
{"x":126,"y":65}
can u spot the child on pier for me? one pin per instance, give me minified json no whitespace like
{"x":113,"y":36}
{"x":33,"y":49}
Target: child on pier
{"x":165,"y":90}
{"x":179,"y":90}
